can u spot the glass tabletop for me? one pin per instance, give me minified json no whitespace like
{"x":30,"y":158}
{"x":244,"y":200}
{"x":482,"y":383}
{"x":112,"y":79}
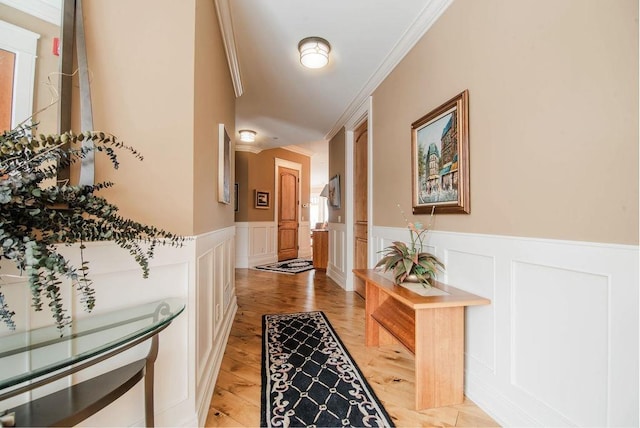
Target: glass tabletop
{"x":32,"y":354}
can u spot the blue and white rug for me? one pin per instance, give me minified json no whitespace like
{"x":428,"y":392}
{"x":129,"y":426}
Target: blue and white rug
{"x":288,"y":266}
{"x":310,"y":380}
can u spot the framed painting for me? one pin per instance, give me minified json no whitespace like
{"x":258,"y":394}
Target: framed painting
{"x":236,"y":206}
{"x":440,"y":158}
{"x":334,"y":192}
{"x":224,"y":166}
{"x":262,"y":199}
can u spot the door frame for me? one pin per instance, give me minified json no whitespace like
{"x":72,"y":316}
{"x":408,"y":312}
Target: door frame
{"x":276,"y":196}
{"x":24,"y":44}
{"x":364,"y":112}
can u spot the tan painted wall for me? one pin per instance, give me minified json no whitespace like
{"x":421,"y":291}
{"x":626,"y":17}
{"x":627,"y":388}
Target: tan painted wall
{"x":257,"y":171}
{"x":46,"y":78}
{"x":160,"y":83}
{"x":337,"y":166}
{"x":553,"y":89}
{"x":214,"y":104}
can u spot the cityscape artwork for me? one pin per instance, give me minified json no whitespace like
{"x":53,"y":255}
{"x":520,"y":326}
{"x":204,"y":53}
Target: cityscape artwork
{"x":440,"y":149}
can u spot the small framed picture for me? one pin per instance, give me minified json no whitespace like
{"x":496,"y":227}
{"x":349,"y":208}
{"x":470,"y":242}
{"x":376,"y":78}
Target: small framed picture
{"x":334,"y":192}
{"x":262,"y":199}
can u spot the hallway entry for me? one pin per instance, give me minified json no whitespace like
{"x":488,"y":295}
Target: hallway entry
{"x":360,"y":213}
{"x":288,"y":182}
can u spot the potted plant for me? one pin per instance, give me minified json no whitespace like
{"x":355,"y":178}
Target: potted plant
{"x":410,"y":263}
{"x":35,"y":218}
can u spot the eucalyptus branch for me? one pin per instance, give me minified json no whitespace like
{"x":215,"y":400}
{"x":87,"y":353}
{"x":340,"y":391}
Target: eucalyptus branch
{"x":35,"y":219}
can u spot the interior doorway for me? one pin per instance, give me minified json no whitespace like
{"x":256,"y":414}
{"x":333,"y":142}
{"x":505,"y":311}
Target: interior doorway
{"x":360,"y":198}
{"x":288,"y":208}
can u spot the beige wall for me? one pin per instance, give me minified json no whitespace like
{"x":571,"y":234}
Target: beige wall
{"x":214,"y":104}
{"x":553,"y":89}
{"x":257,"y":171}
{"x":46,"y":78}
{"x":337,"y":166}
{"x":160,"y":84}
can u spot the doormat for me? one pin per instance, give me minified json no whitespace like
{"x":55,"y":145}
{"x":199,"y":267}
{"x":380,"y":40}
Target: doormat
{"x":309,"y":378}
{"x":288,"y":266}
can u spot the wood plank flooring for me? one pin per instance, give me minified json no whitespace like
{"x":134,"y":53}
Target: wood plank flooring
{"x":389,"y":370}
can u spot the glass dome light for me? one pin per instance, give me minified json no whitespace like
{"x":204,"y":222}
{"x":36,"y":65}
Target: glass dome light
{"x":314,"y":52}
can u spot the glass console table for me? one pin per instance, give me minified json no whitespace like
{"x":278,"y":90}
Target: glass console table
{"x":34,"y":358}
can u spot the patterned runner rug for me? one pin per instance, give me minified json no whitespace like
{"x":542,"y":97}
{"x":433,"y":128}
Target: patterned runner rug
{"x":288,"y":266}
{"x":309,"y":379}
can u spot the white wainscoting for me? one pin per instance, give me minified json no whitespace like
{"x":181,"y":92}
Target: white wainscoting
{"x":191,"y":348}
{"x":337,"y":263}
{"x":558,"y":346}
{"x":257,"y":242}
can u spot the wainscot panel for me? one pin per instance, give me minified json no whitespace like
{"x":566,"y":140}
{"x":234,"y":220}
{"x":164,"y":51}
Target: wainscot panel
{"x":336,"y":266}
{"x":256,"y":243}
{"x":187,"y":349}
{"x":558,"y":346}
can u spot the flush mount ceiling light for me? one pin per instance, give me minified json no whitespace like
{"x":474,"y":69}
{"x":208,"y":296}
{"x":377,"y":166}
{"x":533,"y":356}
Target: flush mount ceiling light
{"x":247,"y":136}
{"x":314,"y":52}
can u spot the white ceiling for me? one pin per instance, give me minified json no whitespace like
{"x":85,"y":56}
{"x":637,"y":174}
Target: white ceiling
{"x":287,"y":104}
{"x":47,"y":10}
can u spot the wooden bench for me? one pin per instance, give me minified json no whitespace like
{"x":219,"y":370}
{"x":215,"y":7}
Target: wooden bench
{"x":430,"y":327}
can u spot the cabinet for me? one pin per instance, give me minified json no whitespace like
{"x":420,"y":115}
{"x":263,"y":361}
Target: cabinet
{"x":320,"y":248}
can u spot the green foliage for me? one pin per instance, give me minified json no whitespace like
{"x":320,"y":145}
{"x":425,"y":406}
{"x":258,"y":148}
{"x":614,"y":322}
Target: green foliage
{"x":35,"y":219}
{"x":406,"y":260}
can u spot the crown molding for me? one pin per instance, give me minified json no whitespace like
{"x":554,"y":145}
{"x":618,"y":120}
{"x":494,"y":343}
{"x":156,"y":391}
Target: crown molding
{"x":223,"y":9}
{"x":299,"y":150}
{"x":247,"y":148}
{"x":47,"y":10}
{"x":425,"y":19}
{"x":257,"y":149}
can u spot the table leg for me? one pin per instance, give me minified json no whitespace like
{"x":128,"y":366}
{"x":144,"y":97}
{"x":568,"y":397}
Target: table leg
{"x":371,"y":326}
{"x":148,"y":382}
{"x":439,"y":357}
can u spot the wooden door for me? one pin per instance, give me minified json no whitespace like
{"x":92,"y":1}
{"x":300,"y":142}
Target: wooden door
{"x":288,"y":181}
{"x":7,"y":69}
{"x":360,"y":203}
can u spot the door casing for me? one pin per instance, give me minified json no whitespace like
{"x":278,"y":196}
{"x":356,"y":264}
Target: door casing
{"x":291,"y":165}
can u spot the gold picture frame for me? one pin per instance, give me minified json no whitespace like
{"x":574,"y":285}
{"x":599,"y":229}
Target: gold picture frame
{"x":440,"y":158}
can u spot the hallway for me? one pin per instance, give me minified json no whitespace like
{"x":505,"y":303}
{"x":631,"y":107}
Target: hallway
{"x":236,"y":399}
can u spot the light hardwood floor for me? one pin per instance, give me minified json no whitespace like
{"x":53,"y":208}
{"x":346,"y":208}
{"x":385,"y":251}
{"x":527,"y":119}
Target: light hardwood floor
{"x":389,"y":370}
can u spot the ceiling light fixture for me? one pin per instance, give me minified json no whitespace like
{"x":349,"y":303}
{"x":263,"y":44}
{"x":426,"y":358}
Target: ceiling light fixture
{"x":314,"y":52}
{"x":247,"y":135}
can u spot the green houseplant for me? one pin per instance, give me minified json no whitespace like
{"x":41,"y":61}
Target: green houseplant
{"x":410,"y":263}
{"x":35,"y":218}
